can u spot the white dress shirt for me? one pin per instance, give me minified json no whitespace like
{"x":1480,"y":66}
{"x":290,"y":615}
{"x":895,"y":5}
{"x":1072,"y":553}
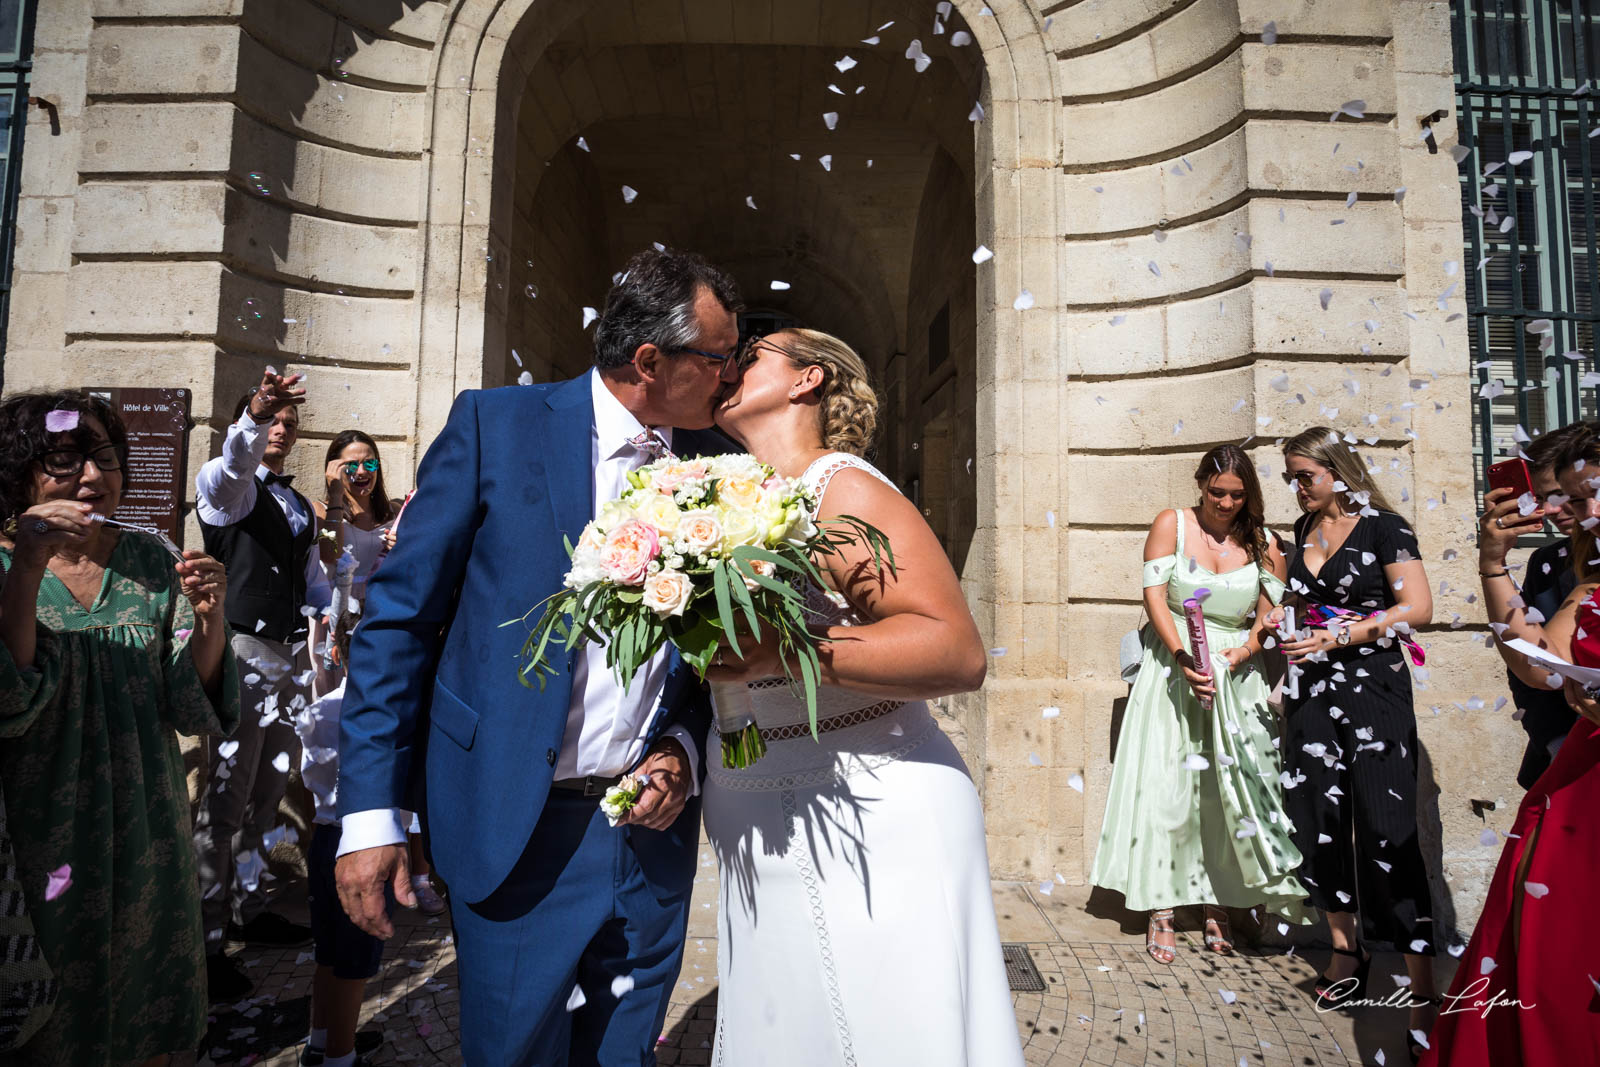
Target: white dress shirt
{"x":606,"y":725}
{"x":225,"y":488}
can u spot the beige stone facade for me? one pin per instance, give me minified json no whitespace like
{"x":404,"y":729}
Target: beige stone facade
{"x":391,"y":195}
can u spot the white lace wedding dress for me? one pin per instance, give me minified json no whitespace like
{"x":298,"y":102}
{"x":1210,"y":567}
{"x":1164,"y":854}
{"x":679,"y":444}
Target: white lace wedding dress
{"x":856,"y":923}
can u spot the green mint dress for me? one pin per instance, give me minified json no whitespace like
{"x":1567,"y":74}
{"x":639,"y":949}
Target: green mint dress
{"x":1179,"y":831}
{"x":92,"y":777}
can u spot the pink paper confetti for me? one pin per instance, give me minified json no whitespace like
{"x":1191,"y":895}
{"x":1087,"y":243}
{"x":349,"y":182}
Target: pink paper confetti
{"x":425,"y":1029}
{"x":182,"y":635}
{"x":60,"y":881}
{"x":60,"y":421}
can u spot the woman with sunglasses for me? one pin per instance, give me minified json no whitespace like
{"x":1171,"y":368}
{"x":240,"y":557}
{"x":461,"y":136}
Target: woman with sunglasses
{"x":1350,"y":750}
{"x":109,"y":647}
{"x":355,"y":519}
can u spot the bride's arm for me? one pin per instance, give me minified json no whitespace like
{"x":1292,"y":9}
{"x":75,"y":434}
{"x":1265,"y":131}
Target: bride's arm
{"x":922,"y":641}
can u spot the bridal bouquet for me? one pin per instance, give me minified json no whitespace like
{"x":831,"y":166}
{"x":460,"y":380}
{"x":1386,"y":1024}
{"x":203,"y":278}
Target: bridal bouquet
{"x":702,"y":553}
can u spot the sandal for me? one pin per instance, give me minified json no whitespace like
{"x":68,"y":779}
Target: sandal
{"x":1327,"y":998}
{"x":1158,"y":952}
{"x":1413,"y":1045}
{"x":1219,"y":942}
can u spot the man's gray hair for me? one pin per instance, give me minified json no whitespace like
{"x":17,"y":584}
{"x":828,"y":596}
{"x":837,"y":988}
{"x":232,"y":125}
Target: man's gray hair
{"x":653,"y":304}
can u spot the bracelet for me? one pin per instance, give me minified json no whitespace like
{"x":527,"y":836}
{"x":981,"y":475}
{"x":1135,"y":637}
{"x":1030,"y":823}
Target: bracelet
{"x":1494,"y":574}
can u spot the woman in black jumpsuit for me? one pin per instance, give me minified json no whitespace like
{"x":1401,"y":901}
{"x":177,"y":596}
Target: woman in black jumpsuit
{"x":1350,"y":749}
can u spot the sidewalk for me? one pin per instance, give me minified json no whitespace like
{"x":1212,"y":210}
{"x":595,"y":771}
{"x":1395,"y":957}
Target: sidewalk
{"x":1106,"y":1001}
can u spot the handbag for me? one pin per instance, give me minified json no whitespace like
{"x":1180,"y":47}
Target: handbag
{"x":1130,"y":654}
{"x":28,"y":988}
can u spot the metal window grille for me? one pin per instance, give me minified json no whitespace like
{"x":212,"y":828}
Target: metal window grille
{"x":16,"y":71}
{"x":1527,"y":84}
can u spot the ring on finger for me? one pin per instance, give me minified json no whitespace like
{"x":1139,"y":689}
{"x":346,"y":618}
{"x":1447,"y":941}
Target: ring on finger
{"x":1499,"y":524}
{"x":41,"y":527}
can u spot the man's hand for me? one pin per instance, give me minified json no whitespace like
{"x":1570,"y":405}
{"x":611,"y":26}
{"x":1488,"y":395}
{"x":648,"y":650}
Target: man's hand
{"x":662,"y":799}
{"x":276,"y":392}
{"x":361,"y":877}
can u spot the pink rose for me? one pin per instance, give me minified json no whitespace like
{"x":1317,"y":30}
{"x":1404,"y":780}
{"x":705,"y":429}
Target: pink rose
{"x":628,"y":552}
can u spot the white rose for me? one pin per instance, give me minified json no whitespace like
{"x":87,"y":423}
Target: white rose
{"x":661,"y":512}
{"x":667,"y":592}
{"x":699,"y":530}
{"x":585,"y":568}
{"x":740,"y":526}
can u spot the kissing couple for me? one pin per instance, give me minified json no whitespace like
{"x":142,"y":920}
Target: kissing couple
{"x":856,"y":923}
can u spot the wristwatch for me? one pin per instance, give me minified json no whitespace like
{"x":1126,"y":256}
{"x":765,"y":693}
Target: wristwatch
{"x":1343,"y":640}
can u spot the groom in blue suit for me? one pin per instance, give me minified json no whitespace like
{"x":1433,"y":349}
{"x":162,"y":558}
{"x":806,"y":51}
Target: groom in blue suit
{"x":569,"y":932}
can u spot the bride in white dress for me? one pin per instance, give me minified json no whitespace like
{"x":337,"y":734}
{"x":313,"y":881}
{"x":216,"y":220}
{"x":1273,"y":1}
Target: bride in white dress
{"x":856,"y":924}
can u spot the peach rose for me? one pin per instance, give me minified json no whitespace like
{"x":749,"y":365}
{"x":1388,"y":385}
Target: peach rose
{"x":699,"y":530}
{"x":667,"y":592}
{"x":738,"y":493}
{"x":628,"y":552}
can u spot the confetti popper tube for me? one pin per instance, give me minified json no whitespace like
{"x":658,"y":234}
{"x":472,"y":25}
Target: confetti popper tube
{"x":1291,"y":686}
{"x":1199,"y":647}
{"x":736,"y":722}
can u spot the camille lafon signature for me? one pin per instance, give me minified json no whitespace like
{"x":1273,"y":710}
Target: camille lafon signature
{"x":1469,"y":999}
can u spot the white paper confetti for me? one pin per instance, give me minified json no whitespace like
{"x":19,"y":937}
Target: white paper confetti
{"x":982,"y":254}
{"x":629,"y":194}
{"x":589,"y":315}
{"x":778,"y":286}
{"x":1023,"y":302}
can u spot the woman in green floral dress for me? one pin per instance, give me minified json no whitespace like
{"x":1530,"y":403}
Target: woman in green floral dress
{"x":108,"y":648}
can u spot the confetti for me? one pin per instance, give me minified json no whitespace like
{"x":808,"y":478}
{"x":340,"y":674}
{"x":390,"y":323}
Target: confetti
{"x":60,"y":421}
{"x":1050,"y":713}
{"x":583,"y":144}
{"x":976,"y":114}
{"x":1075,"y":782}
{"x":982,"y":254}
{"x":830,"y":119}
{"x":1023,"y":302}
{"x":960,"y":38}
{"x":1195,"y":762}
{"x":525,"y":378}
{"x":1325,"y":298}
{"x":778,"y":286}
{"x":750,"y":202}
{"x":576,"y":1000}
{"x":621,"y":984}
{"x":1269,"y":33}
{"x":918,"y":56}
{"x":629,"y":194}
{"x":1536,"y":890}
{"x":58,"y":881}
{"x":1228,"y":996}
{"x":280,"y":763}
{"x":589,"y":315}
{"x":844,"y":64}
{"x":827,"y":163}
{"x":1034,"y":760}
{"x":1519,"y":157}
{"x":1356,"y":109}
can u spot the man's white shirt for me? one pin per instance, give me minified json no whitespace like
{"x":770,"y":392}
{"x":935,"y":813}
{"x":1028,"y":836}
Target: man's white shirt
{"x":606,"y":725}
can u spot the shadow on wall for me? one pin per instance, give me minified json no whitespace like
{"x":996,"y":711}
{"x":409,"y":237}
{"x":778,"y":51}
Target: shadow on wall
{"x":289,"y":83}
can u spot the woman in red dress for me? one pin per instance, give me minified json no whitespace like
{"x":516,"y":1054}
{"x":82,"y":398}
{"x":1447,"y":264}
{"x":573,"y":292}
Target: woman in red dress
{"x":1526,"y":992}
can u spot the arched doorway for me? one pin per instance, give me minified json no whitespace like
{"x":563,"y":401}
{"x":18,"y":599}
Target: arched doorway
{"x":697,"y":107}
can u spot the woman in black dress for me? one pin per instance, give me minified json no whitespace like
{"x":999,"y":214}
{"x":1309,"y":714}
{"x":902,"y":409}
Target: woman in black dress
{"x":1350,"y":750}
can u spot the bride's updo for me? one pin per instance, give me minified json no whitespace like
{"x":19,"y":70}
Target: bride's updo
{"x":849,"y":403}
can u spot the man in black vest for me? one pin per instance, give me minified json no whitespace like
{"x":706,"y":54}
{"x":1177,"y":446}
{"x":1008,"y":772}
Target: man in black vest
{"x":264,"y":533}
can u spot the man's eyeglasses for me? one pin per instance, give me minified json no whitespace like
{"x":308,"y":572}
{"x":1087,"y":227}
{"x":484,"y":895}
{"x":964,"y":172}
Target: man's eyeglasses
{"x":717,"y":357}
{"x":356,"y":466}
{"x":68,"y":462}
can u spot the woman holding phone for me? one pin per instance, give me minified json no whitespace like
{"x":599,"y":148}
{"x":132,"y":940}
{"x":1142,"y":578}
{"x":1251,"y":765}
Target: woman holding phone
{"x":1551,"y":861}
{"x":1351,"y":740}
{"x":1195,"y":813}
{"x":358,"y":510}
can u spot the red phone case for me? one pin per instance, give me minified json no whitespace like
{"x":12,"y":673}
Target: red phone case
{"x":1511,"y":474}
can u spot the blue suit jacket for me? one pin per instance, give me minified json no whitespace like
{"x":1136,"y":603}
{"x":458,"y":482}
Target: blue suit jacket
{"x":435,"y":716}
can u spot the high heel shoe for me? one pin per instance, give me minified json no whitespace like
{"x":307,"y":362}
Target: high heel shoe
{"x":1220,"y":942}
{"x":1160,"y":953}
{"x":1413,"y":1046}
{"x":1350,"y":988}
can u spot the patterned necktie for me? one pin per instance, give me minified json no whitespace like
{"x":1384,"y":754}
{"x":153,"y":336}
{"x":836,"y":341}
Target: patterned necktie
{"x":648,"y":442}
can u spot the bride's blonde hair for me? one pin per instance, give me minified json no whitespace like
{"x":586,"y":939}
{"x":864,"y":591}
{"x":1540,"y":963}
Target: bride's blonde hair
{"x":849,"y":403}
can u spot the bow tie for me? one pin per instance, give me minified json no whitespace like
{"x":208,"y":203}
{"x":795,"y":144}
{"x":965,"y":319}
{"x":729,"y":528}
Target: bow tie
{"x":278,"y":479}
{"x":651,"y":444}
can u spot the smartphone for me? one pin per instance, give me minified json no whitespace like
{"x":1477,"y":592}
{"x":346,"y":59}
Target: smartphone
{"x":1511,"y":474}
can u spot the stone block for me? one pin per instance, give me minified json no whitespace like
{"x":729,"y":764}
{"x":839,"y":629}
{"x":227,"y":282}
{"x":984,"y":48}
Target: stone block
{"x":43,"y":234}
{"x":1158,"y":412}
{"x":1422,"y":37}
{"x":1155,"y":123}
{"x":124,"y":299}
{"x":150,"y":217}
{"x":1210,"y":331}
{"x":1101,"y":346}
{"x":147,"y":59}
{"x":1341,"y":395}
{"x":1318,"y":78}
{"x":1105,"y":564}
{"x":293,"y":245}
{"x":351,"y":184}
{"x":1309,"y":18}
{"x":292,"y":97}
{"x":1195,"y":34}
{"x":1289,"y":318}
{"x":158,"y":9}
{"x":380,"y":59}
{"x":417,"y":20}
{"x":297,"y":30}
{"x":1321,"y":157}
{"x":37,"y":326}
{"x":62,"y":26}
{"x":1185,"y":258}
{"x":1082,"y":26}
{"x":166,"y":138}
{"x":1326,"y":237}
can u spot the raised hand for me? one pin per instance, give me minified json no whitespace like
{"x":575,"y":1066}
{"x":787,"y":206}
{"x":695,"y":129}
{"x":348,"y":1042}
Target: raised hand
{"x":276,"y":392}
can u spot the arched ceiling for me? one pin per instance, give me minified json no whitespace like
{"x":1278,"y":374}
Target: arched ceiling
{"x":698,"y":105}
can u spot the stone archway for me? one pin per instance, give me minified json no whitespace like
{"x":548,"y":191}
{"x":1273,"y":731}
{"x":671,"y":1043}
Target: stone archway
{"x":491,"y":52}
